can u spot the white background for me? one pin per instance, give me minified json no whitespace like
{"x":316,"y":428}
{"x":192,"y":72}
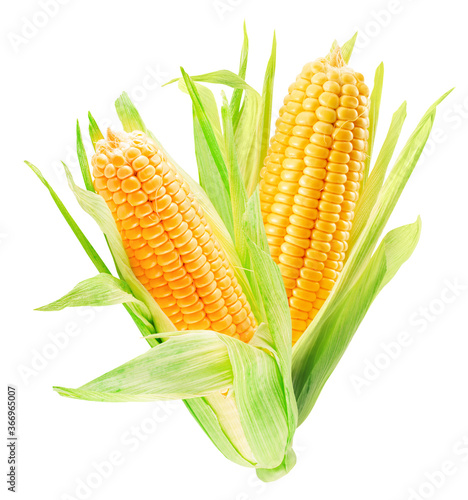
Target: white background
{"x":379,"y":441}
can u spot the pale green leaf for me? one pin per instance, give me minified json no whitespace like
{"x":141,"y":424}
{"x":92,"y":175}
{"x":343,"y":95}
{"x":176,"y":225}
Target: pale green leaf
{"x":253,"y":222}
{"x":375,"y":99}
{"x":83,"y":159}
{"x":260,"y":401}
{"x":94,"y":132}
{"x":347,"y":48}
{"x":376,"y":179}
{"x":207,"y":129}
{"x":237,"y":93}
{"x":187,"y":366}
{"x":265,"y":121}
{"x":101,"y":290}
{"x":210,"y":180}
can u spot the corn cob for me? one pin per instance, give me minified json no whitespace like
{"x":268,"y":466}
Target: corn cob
{"x":310,"y":181}
{"x":171,"y":247}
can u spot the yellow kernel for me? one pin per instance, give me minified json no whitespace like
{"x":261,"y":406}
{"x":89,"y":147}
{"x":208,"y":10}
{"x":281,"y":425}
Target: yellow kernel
{"x":326,"y":114}
{"x":130,"y":184}
{"x":132,"y":153}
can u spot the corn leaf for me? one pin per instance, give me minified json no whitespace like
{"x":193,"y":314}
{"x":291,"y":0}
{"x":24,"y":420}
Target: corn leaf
{"x":85,"y":243}
{"x":218,"y":416}
{"x":207,"y":129}
{"x":211,"y":109}
{"x":100,"y":290}
{"x":253,"y":222}
{"x":333,"y":332}
{"x":348,"y":47}
{"x":237,"y":93}
{"x":375,"y":99}
{"x":83,"y":160}
{"x":260,"y":401}
{"x":277,"y":314}
{"x":186,"y":366}
{"x":247,"y":129}
{"x":238,"y":195}
{"x":223,"y":77}
{"x":253,"y":176}
{"x":376,"y":179}
{"x":210,"y":180}
{"x":94,"y":132}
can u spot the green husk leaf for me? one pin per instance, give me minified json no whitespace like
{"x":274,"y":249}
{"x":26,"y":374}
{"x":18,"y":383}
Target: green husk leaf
{"x":207,"y":129}
{"x":210,"y":179}
{"x":217,"y":415}
{"x":376,"y":179}
{"x":277,"y":314}
{"x":101,"y":290}
{"x":186,"y":366}
{"x":237,"y":93}
{"x":265,"y":121}
{"x":348,"y":47}
{"x":333,"y":332}
{"x":211,"y":109}
{"x":248,"y":127}
{"x":94,"y":132}
{"x":85,"y":243}
{"x":83,"y":159}
{"x":238,"y":195}
{"x":129,"y":115}
{"x":223,"y":77}
{"x":253,"y":222}
{"x":375,"y":99}
{"x":260,"y":401}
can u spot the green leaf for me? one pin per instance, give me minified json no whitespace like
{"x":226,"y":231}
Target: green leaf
{"x":347,"y":48}
{"x":275,"y":303}
{"x":207,"y":129}
{"x":265,"y":121}
{"x":333,"y":332}
{"x":375,"y":99}
{"x":237,"y":93}
{"x":186,"y":366}
{"x":238,"y":195}
{"x":129,"y":115}
{"x":101,"y":290}
{"x":210,"y":179}
{"x":376,"y":179}
{"x":94,"y":132}
{"x":85,"y":243}
{"x":83,"y":159}
{"x":223,"y":77}
{"x":260,"y":400}
{"x":253,"y":222}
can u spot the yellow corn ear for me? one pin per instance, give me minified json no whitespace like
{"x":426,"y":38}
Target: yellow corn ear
{"x":310,"y":181}
{"x":171,"y":247}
